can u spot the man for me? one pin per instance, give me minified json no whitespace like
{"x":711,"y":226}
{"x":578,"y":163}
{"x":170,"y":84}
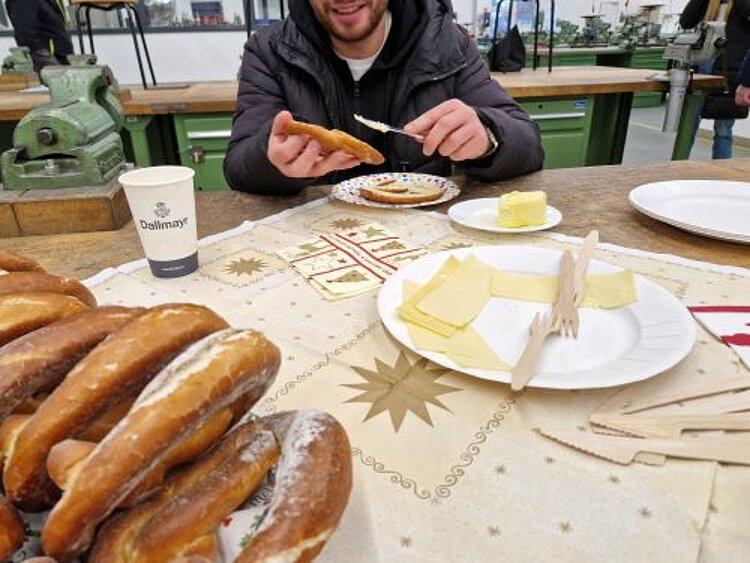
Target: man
{"x":742,"y":96}
{"x":402,"y":62}
{"x":728,"y":63}
{"x":40,"y":26}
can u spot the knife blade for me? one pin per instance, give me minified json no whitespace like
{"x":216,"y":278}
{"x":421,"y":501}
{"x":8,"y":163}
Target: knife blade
{"x":385,"y":128}
{"x":730,"y":449}
{"x":582,"y":264}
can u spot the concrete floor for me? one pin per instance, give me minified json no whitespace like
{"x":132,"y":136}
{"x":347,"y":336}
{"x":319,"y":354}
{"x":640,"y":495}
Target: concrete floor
{"x":646,"y":142}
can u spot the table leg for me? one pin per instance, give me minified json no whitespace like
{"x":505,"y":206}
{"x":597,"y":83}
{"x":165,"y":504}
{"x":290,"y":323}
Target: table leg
{"x":683,"y":141}
{"x":609,"y":128}
{"x":136,"y":127}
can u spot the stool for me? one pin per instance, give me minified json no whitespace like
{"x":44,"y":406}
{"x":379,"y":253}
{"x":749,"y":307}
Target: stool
{"x":129,"y":6}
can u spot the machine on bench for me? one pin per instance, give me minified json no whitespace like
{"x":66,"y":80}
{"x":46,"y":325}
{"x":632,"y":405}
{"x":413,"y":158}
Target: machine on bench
{"x":73,"y":140}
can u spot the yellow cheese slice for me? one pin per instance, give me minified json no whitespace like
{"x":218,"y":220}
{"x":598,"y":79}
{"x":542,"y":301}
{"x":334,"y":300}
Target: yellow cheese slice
{"x":465,"y":347}
{"x":408,"y":312}
{"x":605,"y":291}
{"x":462,"y":296}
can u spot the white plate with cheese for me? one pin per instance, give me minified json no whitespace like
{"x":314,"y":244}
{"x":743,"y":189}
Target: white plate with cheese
{"x":614,"y":346}
{"x":482,"y":214}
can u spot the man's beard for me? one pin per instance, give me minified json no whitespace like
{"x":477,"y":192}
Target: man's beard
{"x":376,"y":15}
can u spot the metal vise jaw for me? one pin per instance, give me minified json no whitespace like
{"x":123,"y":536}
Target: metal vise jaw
{"x":73,"y":140}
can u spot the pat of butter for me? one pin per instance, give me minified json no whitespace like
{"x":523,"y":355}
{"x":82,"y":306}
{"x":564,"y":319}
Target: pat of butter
{"x":522,"y":209}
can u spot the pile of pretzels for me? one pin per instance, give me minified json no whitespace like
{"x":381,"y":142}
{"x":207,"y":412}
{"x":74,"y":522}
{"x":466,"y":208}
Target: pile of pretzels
{"x":116,"y":418}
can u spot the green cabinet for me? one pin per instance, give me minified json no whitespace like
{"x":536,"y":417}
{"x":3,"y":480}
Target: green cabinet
{"x":202,"y":141}
{"x":648,"y":58}
{"x":565,"y":125}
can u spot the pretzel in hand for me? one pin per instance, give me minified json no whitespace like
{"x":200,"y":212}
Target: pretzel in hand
{"x":332,"y":140}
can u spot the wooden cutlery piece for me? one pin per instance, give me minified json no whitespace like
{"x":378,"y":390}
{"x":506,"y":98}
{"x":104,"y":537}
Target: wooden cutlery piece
{"x":541,"y":327}
{"x":673,"y":425}
{"x":582,"y":263}
{"x":735,"y":450}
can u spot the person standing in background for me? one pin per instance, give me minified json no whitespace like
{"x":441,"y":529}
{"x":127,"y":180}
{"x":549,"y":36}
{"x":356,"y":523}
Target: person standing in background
{"x":742,"y":96}
{"x":40,"y":26}
{"x":738,"y":43}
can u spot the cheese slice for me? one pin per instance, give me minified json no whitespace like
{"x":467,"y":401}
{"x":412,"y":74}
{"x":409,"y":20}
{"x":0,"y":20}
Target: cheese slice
{"x":465,"y":347}
{"x":604,"y":291}
{"x":462,"y":296}
{"x":408,"y":311}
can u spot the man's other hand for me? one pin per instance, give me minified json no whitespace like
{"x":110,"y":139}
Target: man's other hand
{"x":453,"y":129}
{"x":742,"y":96}
{"x":299,"y":156}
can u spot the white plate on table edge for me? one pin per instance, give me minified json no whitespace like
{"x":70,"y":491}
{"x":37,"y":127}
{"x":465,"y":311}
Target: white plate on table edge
{"x":618,"y":346}
{"x":654,"y":198}
{"x":482,"y":214}
{"x":348,"y":190}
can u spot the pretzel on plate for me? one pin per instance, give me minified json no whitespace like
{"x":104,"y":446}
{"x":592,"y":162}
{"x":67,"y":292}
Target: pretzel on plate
{"x":21,"y":313}
{"x":40,"y":359}
{"x":311,"y":487}
{"x":118,"y":367}
{"x":16,"y":282}
{"x":209,"y":375}
{"x":332,"y":140}
{"x":11,"y":262}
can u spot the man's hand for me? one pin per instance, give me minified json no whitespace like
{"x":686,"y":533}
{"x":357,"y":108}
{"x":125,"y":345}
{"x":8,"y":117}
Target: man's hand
{"x":298,"y":156}
{"x":742,"y":96}
{"x":453,"y":129}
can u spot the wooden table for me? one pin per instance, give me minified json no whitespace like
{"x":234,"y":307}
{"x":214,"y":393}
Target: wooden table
{"x":221,"y":96}
{"x":589,"y":198}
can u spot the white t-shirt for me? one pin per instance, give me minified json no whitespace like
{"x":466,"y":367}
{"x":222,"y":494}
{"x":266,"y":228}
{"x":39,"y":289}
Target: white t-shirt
{"x":359,"y":67}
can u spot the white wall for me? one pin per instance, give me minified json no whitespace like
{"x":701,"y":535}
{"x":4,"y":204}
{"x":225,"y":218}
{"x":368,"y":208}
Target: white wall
{"x":177,"y":57}
{"x":180,"y":57}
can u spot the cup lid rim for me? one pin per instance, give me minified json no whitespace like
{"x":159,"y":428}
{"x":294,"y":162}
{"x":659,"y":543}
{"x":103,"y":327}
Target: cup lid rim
{"x":147,"y":176}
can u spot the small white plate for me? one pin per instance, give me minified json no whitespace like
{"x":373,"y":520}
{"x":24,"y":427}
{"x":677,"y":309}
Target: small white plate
{"x":614,"y":347}
{"x":482,"y":214}
{"x":712,"y":208}
{"x":348,"y":190}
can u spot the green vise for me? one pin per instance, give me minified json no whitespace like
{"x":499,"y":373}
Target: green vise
{"x":19,"y":61}
{"x":73,"y":140}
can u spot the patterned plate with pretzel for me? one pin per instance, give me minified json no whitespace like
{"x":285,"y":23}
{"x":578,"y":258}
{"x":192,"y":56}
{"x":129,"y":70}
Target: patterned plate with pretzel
{"x":396,"y":189}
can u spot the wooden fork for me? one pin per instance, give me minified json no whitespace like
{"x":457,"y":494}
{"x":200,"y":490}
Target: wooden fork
{"x":564,"y":308}
{"x":541,"y":327}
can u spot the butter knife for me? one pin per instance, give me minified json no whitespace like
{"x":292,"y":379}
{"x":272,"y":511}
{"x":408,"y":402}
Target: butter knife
{"x":384,"y":128}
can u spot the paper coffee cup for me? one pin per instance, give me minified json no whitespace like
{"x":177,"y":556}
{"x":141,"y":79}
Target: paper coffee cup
{"x":162,"y":203}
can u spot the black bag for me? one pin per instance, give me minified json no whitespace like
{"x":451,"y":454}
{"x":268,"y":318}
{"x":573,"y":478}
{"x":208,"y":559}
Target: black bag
{"x":722,"y":106}
{"x":507,"y":53}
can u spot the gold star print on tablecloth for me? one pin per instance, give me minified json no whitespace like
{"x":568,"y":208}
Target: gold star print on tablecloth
{"x":245,"y":267}
{"x":401,"y":388}
{"x":346,"y":223}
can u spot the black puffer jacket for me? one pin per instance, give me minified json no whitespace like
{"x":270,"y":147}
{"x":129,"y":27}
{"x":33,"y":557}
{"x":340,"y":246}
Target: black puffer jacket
{"x":37,"y":23}
{"x":737,"y":32}
{"x":426,"y":60}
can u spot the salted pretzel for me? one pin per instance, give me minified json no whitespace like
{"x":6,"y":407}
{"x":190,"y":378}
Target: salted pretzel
{"x":209,"y":375}
{"x":312,"y":483}
{"x":21,"y":313}
{"x":332,"y":140}
{"x":16,"y":282}
{"x":66,"y":458}
{"x":11,"y":530}
{"x":11,"y":262}
{"x":40,"y":359}
{"x":118,"y":367}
